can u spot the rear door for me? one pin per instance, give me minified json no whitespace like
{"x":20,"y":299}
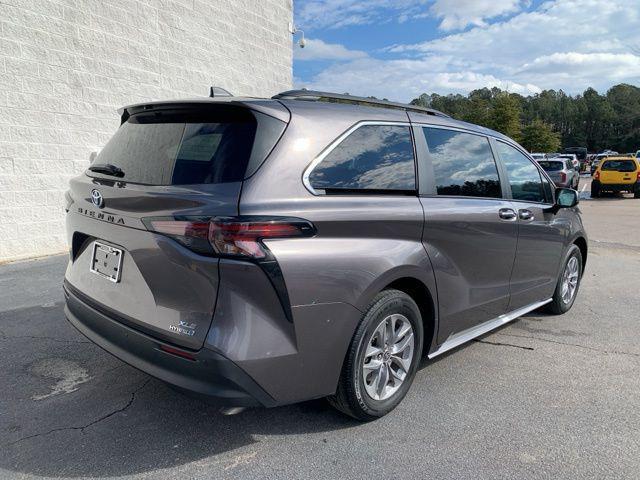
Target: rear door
{"x":470,"y":229}
{"x":542,"y":232}
{"x":162,"y":165}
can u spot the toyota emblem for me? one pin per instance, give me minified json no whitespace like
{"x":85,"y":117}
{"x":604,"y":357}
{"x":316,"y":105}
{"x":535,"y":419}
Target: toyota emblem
{"x":96,"y":198}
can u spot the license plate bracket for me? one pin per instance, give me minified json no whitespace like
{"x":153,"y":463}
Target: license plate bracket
{"x":106,"y":261}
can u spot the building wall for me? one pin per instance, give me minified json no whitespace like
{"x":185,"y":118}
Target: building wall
{"x":67,"y":65}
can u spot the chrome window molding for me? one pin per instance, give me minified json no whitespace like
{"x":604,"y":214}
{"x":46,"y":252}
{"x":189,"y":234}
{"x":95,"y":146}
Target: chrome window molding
{"x":314,"y":163}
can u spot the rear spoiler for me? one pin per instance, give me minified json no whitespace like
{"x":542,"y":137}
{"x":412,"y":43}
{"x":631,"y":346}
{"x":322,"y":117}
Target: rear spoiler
{"x":268,"y":107}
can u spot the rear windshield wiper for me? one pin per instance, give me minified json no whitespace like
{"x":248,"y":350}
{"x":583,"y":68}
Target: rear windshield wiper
{"x":107,"y":169}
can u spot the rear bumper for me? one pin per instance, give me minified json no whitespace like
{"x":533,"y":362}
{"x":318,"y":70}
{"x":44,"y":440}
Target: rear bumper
{"x":618,"y":187}
{"x":209,"y":374}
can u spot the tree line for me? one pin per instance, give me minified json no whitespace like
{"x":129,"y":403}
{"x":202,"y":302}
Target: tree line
{"x":551,"y":120}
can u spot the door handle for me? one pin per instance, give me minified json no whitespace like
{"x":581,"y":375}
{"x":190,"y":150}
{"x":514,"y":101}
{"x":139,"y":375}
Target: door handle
{"x":525,"y":214}
{"x":507,"y":214}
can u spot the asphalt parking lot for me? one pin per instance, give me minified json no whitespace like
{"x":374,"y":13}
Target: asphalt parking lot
{"x":544,"y":397}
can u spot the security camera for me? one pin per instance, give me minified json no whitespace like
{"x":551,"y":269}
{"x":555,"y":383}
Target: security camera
{"x":295,"y":30}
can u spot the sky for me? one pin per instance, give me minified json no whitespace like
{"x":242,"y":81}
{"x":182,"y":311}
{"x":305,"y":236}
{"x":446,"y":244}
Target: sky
{"x":400,"y":49}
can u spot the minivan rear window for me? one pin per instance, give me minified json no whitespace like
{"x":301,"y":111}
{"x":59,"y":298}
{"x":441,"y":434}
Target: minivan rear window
{"x":619,"y":166}
{"x":181,"y":147}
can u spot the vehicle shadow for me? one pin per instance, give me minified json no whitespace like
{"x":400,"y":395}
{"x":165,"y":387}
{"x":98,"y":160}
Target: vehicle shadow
{"x":116,"y":421}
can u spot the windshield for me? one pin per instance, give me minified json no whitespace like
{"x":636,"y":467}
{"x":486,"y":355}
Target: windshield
{"x":550,"y":166}
{"x":187,"y":147}
{"x":619,"y":166}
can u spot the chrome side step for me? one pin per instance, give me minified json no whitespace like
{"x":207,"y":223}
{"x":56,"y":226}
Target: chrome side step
{"x":459,"y":338}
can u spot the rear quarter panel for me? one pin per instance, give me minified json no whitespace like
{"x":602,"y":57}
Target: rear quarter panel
{"x":363,"y":244}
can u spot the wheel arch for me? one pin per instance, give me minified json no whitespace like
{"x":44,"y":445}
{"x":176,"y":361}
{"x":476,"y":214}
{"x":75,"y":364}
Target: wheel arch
{"x":420,"y":294}
{"x":581,"y":243}
{"x":419,"y":283}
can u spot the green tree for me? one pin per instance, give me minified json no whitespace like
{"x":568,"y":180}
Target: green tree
{"x":539,"y":137}
{"x":478,"y":108}
{"x":423,"y":100}
{"x":505,"y":115}
{"x":625,"y":129}
{"x":591,"y":120}
{"x":597,"y":116}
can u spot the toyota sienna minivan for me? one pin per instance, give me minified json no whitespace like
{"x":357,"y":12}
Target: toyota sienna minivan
{"x":261,"y":252}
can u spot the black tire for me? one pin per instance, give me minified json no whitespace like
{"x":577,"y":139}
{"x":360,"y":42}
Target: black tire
{"x":351,"y":396}
{"x":636,"y":190}
{"x":595,"y":189}
{"x":558,"y":306}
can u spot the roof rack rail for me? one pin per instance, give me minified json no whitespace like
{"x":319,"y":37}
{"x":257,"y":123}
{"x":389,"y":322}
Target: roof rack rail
{"x":315,"y":96}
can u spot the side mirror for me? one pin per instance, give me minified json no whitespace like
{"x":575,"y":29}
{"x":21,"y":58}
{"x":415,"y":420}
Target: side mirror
{"x":566,"y":198}
{"x":92,"y":157}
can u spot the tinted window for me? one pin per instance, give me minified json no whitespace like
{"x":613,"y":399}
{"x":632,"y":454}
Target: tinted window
{"x":373,"y":157}
{"x":524,"y":177}
{"x":190,"y":147}
{"x":463,"y":164}
{"x":619,"y":166}
{"x":551,"y":166}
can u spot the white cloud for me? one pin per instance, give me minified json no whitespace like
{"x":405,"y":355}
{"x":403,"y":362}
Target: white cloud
{"x":458,"y":14}
{"x":317,"y":49}
{"x":404,"y":79}
{"x":616,"y":65}
{"x":564,"y":44}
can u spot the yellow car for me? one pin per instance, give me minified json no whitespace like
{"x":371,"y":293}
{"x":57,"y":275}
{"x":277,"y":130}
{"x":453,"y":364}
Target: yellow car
{"x":617,"y":174}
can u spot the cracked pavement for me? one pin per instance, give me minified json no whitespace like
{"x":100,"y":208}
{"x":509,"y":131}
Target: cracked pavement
{"x":543,"y":397}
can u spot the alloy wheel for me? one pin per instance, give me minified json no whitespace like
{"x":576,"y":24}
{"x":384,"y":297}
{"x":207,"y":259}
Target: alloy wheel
{"x":388,"y":357}
{"x":570,"y":278}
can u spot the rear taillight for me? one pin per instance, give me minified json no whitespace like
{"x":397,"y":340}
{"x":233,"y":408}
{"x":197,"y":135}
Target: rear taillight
{"x":230,"y":236}
{"x":597,"y":175}
{"x":563,"y":177}
{"x":638,"y":176}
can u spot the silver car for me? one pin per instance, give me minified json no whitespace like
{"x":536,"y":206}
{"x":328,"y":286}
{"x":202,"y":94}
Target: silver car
{"x":573,"y":158}
{"x":561,"y":171}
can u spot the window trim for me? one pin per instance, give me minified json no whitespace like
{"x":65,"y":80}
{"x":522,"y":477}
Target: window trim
{"x":432,"y":193}
{"x":334,"y":144}
{"x":541,"y":172}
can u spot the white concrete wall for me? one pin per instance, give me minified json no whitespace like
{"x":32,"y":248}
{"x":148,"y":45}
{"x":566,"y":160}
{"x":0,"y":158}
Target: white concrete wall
{"x":67,"y":65}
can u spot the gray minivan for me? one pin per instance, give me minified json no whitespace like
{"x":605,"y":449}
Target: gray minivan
{"x":270,"y":251}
